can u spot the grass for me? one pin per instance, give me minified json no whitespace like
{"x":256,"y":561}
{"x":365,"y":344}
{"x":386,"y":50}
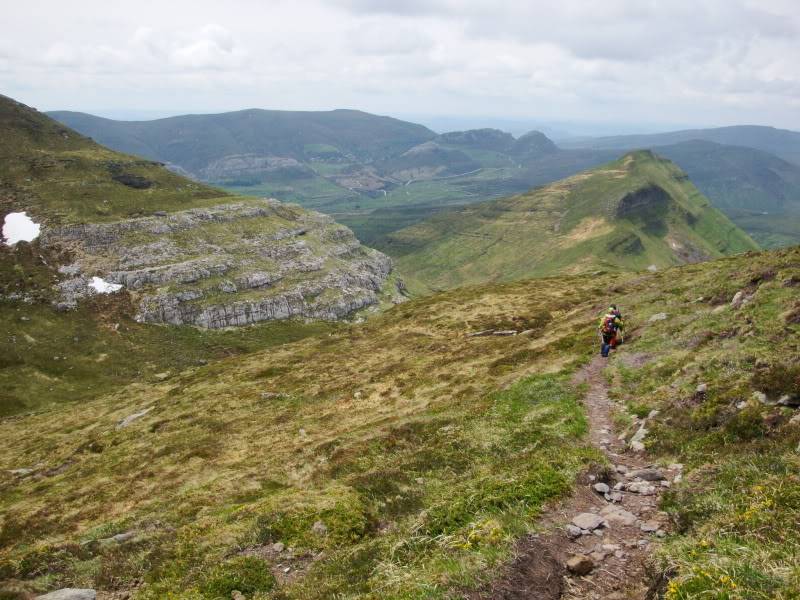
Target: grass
{"x":422,"y":453}
{"x":736,"y":513}
{"x":398,"y":434}
{"x":569,"y":226}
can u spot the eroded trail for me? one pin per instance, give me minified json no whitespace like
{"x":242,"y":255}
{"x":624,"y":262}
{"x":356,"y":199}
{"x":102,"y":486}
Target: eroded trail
{"x":595,"y":544}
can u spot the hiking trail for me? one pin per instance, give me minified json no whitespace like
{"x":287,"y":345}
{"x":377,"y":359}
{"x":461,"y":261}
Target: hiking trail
{"x":595,"y":544}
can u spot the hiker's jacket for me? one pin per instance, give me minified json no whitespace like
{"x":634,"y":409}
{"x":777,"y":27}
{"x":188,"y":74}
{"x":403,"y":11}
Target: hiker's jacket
{"x":615,"y":320}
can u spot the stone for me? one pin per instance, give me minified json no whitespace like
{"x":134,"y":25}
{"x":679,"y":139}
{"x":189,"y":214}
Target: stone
{"x":573,"y":532}
{"x":792,"y":400}
{"x":738,"y":299}
{"x":658,"y":317}
{"x":134,"y":417}
{"x":506,"y":332}
{"x":652,"y":268}
{"x":617,"y":514}
{"x":649,"y":526}
{"x":319,"y":528}
{"x":237,"y":595}
{"x":619,"y":486}
{"x":21,"y":472}
{"x":278,"y":547}
{"x":601,"y":488}
{"x":642,"y":488}
{"x":653,"y":414}
{"x":580,"y":564}
{"x":701,"y":388}
{"x":622,"y":469}
{"x":588,"y":521}
{"x":614,"y":496}
{"x":760,"y":397}
{"x":70,"y":594}
{"x":649,"y":474}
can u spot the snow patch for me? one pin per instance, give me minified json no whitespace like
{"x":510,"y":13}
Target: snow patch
{"x":101,"y":286}
{"x":19,"y":227}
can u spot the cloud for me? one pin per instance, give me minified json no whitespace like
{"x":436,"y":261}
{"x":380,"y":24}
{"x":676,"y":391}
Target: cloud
{"x":698,"y":61}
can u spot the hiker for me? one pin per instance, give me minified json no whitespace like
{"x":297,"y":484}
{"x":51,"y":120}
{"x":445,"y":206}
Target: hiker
{"x":611,"y":325}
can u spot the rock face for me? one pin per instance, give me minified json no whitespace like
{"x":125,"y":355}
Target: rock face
{"x":227,"y":265}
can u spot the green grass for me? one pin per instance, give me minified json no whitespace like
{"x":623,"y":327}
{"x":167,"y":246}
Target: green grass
{"x":736,"y":512}
{"x":569,"y":226}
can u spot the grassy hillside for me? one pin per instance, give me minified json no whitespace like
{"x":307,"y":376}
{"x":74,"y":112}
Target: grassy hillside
{"x":193,"y":141}
{"x":758,"y":191}
{"x":780,"y":142}
{"x":628,"y":215}
{"x":60,"y":176}
{"x":402,"y":459}
{"x":374,"y":174}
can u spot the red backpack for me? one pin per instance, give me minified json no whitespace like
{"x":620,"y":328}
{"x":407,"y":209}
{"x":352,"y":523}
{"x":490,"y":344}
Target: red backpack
{"x":609,"y":326}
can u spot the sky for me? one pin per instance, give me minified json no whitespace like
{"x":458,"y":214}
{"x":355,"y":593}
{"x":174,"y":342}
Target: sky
{"x":631,"y":65}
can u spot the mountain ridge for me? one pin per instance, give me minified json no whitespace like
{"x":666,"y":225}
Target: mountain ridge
{"x":638,"y":212}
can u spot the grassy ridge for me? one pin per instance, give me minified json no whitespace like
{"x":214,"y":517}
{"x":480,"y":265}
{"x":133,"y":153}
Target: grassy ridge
{"x":400,"y":459}
{"x":737,"y":514}
{"x":574,"y":225}
{"x":60,"y":176}
{"x":398,"y":435}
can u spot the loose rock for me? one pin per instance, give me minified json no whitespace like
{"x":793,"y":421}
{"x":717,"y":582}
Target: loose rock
{"x":658,"y":317}
{"x":588,"y":521}
{"x":601,"y":488}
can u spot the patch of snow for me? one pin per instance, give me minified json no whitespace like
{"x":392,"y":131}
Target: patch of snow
{"x":101,"y":286}
{"x":19,"y":227}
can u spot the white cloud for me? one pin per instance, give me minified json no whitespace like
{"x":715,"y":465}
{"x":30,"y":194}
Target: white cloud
{"x":689,"y":61}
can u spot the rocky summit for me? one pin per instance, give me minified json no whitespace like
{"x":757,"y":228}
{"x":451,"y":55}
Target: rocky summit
{"x":226,"y":265}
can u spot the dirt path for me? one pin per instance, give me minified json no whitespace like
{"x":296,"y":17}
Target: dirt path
{"x":607,"y":538}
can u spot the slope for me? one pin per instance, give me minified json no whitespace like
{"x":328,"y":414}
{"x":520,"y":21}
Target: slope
{"x":125,"y":242}
{"x":756,"y":190}
{"x":372,"y":173}
{"x":402,"y":458}
{"x":780,"y":142}
{"x":195,"y":142}
{"x":628,"y":215}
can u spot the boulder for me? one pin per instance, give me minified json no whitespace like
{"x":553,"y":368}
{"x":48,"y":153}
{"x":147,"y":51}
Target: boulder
{"x":649,"y":474}
{"x":588,"y":521}
{"x":658,"y":317}
{"x":69,"y":594}
{"x":601,"y":488}
{"x":573,"y":532}
{"x":617,"y":514}
{"x":319,"y":528}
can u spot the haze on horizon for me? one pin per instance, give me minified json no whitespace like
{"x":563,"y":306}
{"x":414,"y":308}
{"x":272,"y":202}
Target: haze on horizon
{"x":633,"y":64}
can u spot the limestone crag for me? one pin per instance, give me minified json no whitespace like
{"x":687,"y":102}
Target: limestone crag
{"x":225,"y":265}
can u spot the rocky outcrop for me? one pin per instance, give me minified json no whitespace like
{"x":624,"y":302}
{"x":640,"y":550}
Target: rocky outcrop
{"x":226,"y":265}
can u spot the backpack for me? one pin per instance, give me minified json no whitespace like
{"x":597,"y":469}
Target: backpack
{"x":609,"y":326}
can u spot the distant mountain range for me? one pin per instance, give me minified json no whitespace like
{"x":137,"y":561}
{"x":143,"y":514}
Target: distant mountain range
{"x":780,"y":142}
{"x":638,"y":212}
{"x":379,"y":174}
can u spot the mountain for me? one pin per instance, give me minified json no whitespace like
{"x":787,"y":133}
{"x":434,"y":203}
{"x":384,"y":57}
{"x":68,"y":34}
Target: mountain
{"x":372,"y":173}
{"x":171,"y":250}
{"x":756,"y":190}
{"x":780,"y":142}
{"x":404,"y":458}
{"x":638,"y":212}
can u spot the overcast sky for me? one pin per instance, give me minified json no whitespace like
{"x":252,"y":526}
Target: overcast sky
{"x":703,"y":62}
